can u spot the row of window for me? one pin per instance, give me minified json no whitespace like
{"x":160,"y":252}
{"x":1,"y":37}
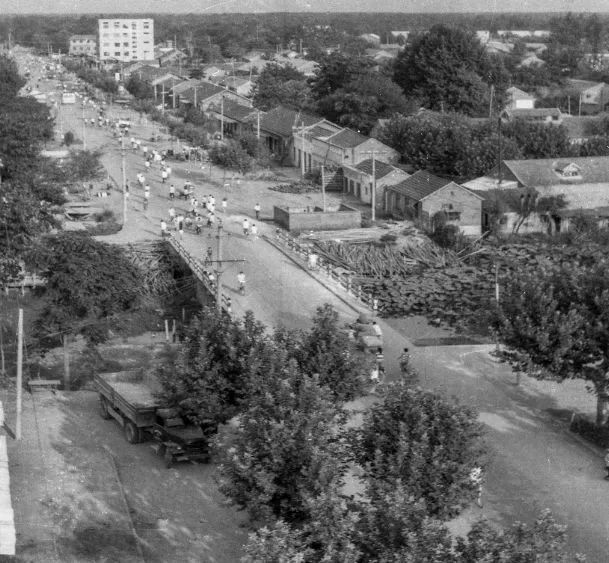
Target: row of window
{"x":117,"y":25}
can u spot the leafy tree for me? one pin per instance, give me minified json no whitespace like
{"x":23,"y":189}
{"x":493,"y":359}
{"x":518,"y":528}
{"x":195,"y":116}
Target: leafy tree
{"x":12,"y":81}
{"x":537,"y":140}
{"x":280,"y":85}
{"x":88,"y":283}
{"x":555,"y":321}
{"x":543,"y":542}
{"x":426,"y":444}
{"x":287,"y":446}
{"x":208,"y":378}
{"x":363,"y":101}
{"x":230,"y":154}
{"x":139,"y":88}
{"x":335,"y":71}
{"x":446,"y":144}
{"x":25,"y":124}
{"x":447,"y":69}
{"x":325,"y":350}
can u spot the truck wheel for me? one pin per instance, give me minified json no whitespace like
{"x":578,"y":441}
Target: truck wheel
{"x":132,"y":433}
{"x":103,"y":408}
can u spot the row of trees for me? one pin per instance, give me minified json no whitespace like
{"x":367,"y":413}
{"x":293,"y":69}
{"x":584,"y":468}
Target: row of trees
{"x":316,"y":489}
{"x":455,"y":146}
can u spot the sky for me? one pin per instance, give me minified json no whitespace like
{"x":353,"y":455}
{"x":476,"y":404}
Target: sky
{"x":249,"y":6}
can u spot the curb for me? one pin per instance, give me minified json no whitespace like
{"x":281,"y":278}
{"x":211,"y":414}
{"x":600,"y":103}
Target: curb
{"x":316,"y":278}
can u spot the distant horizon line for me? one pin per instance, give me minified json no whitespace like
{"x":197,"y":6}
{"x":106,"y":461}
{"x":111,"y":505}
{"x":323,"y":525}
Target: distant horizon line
{"x":207,"y":12}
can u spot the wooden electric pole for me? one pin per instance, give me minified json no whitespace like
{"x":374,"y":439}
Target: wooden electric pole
{"x":19,"y":374}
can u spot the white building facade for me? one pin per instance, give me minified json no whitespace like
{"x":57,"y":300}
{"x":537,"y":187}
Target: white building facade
{"x":126,"y":40}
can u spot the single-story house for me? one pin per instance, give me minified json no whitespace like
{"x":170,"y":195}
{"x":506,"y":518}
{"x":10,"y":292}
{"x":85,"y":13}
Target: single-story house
{"x":582,"y":182}
{"x":202,"y":94}
{"x":242,"y":86}
{"x":358,"y":180}
{"x":372,"y":38}
{"x":531,"y":60}
{"x":587,"y":96}
{"x":277,"y":128}
{"x":237,"y":117}
{"x":348,"y":147}
{"x":423,"y":196}
{"x":519,"y":99}
{"x":552,"y":116}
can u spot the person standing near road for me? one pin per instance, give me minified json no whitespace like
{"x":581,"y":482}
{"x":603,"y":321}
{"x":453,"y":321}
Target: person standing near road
{"x":147,"y":165}
{"x":163,"y":228}
{"x":172,"y":191}
{"x":254,"y":231}
{"x":246,"y":227}
{"x":257,"y":210}
{"x":168,"y":170}
{"x":145,"y":151}
{"x":224,"y":204}
{"x":180,"y":222}
{"x":164,"y":176}
{"x":377,"y":329}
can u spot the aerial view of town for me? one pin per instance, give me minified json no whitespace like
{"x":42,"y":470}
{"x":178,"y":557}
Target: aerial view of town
{"x":303,"y":286}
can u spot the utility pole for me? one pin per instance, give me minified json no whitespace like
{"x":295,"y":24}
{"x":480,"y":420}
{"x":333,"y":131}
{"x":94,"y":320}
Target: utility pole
{"x":163,"y":97}
{"x":258,"y":125}
{"x":499,"y":158}
{"x":195,"y":103}
{"x":155,"y":96}
{"x":173,"y":94}
{"x":373,"y":198}
{"x":84,"y":130}
{"x":302,"y":153}
{"x":19,"y":374}
{"x":219,"y":270}
{"x":323,"y":188}
{"x":124,"y":175}
{"x":222,"y":117}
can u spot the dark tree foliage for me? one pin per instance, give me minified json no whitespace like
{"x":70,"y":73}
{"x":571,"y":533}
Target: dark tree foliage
{"x":335,"y":71}
{"x":449,"y":145}
{"x":87,"y":283}
{"x":424,"y":443}
{"x":556,"y":321}
{"x":280,"y":85}
{"x":288,"y":445}
{"x":11,"y":81}
{"x":448,"y":69}
{"x":537,"y":140}
{"x":139,"y":88}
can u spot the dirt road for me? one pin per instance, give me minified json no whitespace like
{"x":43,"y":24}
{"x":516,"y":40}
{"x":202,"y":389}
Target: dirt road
{"x":83,"y":494}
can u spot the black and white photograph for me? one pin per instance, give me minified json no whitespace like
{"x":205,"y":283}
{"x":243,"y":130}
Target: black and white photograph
{"x":304,"y":281}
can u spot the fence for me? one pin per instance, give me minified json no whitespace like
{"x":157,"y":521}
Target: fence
{"x":341,"y":276}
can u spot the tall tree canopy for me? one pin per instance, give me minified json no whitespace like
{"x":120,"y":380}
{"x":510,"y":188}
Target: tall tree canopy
{"x":280,"y":85}
{"x":556,"y":322}
{"x":448,"y":69}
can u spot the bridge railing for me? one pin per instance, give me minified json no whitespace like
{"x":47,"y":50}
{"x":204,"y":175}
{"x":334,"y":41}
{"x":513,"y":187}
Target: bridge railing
{"x":339,"y":275}
{"x":197,"y":268}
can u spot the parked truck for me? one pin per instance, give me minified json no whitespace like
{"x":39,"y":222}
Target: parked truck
{"x":129,"y":397}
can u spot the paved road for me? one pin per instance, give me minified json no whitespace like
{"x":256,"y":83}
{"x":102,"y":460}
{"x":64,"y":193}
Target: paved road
{"x":536,"y":464}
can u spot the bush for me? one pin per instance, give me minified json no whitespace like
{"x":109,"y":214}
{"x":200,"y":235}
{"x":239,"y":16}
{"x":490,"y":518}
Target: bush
{"x":445,"y":235}
{"x":230,"y":154}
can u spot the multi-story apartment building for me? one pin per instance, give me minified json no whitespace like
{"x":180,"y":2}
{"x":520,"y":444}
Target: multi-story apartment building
{"x":126,"y":39}
{"x":83,"y":45}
